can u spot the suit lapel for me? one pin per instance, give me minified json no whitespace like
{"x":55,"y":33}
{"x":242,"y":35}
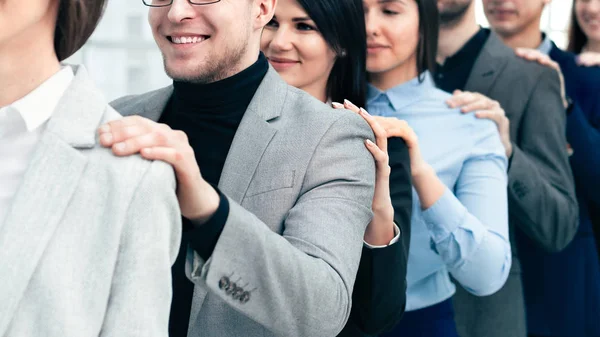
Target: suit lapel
{"x":253,"y":136}
{"x":488,"y":66}
{"x":156,"y":103}
{"x":47,"y":188}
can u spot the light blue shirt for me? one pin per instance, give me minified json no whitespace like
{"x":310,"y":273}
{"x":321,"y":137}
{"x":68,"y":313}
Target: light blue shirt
{"x":465,"y":233}
{"x":546,"y":45}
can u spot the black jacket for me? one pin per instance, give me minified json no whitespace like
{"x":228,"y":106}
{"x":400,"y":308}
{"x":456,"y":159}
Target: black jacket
{"x":379,"y":296}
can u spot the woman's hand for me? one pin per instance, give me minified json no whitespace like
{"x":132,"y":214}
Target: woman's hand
{"x":395,"y":127}
{"x":589,"y":59}
{"x":381,"y":229}
{"x":484,"y":108}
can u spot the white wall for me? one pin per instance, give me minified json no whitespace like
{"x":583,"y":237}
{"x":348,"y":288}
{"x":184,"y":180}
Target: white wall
{"x":122,"y":58}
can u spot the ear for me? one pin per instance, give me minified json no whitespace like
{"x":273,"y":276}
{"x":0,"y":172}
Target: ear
{"x":262,"y":12}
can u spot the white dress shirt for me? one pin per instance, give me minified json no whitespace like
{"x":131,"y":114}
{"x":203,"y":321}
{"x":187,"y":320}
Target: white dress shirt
{"x":21,"y":126}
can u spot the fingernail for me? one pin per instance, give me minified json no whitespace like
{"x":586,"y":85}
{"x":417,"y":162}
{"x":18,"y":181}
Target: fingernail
{"x":364,"y":112}
{"x":119,"y":147}
{"x":347,"y":102}
{"x":369,"y":142}
{"x":104,"y":128}
{"x":337,"y":105}
{"x":106,"y":138}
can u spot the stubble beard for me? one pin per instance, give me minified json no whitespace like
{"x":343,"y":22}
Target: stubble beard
{"x":453,"y":14}
{"x":216,"y":67}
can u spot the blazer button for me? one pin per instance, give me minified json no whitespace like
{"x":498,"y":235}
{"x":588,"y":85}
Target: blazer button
{"x":224,"y":282}
{"x":237,"y":293}
{"x":230,"y":288}
{"x":245,"y":297}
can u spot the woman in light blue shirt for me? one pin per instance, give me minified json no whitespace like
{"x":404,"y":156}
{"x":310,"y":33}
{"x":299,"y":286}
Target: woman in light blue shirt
{"x":460,"y":213}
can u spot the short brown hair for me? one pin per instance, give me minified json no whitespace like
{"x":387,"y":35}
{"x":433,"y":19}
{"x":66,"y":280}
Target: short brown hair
{"x":76,"y":21}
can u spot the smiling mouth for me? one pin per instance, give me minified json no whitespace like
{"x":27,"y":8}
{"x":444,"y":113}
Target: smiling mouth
{"x":187,"y":39}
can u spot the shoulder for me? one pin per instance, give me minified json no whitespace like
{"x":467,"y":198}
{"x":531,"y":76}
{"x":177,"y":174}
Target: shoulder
{"x":124,"y":174}
{"x":303,"y":111}
{"x":133,"y":104}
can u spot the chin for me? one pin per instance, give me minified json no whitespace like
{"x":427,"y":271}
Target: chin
{"x":182,"y":73}
{"x":377,"y":67}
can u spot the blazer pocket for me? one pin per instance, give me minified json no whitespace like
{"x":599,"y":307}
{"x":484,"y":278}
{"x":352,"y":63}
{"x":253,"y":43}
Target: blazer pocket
{"x":280,"y":181}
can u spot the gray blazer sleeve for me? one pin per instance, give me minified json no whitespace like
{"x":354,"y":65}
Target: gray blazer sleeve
{"x":301,"y":282}
{"x":140,"y":295}
{"x":541,"y":187}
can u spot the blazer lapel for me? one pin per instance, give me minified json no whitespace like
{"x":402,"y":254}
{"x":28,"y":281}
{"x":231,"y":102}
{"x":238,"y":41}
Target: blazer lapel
{"x":156,"y":103}
{"x":253,"y":136}
{"x":488,"y":66}
{"x":47,"y":188}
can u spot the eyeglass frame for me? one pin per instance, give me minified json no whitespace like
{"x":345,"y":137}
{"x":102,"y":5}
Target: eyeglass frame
{"x":171,"y":2}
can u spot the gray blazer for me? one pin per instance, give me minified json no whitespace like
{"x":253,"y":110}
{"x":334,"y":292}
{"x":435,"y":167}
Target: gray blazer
{"x":300,"y":185}
{"x":88,"y":243}
{"x":541,"y":191}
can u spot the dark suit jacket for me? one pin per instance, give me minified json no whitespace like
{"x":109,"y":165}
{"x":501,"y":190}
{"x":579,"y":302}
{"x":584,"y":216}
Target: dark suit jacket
{"x":542,"y":202}
{"x":379,"y":296}
{"x":562,"y":290}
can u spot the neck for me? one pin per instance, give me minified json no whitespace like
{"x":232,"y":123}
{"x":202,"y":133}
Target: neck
{"x":392,"y":78}
{"x":592,"y":46}
{"x":530,"y":37}
{"x":454,"y":35}
{"x":318,"y":91}
{"x":24,"y":67}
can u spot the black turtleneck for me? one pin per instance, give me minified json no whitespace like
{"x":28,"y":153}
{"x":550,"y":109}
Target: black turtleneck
{"x":209,"y":114}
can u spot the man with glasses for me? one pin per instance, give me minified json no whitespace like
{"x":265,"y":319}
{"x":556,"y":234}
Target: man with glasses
{"x":274,"y":186}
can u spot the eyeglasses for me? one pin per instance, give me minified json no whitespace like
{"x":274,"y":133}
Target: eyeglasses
{"x":165,"y":3}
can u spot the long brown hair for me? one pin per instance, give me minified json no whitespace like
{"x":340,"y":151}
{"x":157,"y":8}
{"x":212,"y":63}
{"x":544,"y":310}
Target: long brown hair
{"x":75,"y":23}
{"x":577,"y":38}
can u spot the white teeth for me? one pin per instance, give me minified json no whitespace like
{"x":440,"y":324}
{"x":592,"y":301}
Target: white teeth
{"x":187,"y":40}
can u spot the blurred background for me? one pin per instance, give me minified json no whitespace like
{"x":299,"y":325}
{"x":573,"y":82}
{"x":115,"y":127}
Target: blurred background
{"x":122,"y":58}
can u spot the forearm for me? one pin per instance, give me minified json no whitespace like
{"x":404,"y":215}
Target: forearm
{"x":546,"y":210}
{"x":585,"y":161}
{"x":477,"y":256}
{"x":428,"y":185}
{"x":379,"y":296}
{"x":286,"y":268}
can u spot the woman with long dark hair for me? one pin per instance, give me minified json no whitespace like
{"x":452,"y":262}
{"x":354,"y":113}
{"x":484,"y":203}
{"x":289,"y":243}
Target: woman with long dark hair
{"x":319,"y":46}
{"x":87,"y":239}
{"x":458,"y":166}
{"x":584,"y":32}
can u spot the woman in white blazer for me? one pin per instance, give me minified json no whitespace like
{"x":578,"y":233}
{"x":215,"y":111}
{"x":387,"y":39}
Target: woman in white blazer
{"x":86,"y":239}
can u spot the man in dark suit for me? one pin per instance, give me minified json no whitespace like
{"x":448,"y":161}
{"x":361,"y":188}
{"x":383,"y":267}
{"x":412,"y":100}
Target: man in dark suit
{"x":562,"y":290}
{"x":531,"y":120}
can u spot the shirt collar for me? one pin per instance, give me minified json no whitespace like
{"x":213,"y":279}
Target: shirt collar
{"x":546,"y":46}
{"x":37,"y":107}
{"x":404,"y":94}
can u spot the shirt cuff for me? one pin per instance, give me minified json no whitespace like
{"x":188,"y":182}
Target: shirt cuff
{"x":394,"y":240}
{"x":444,"y":217}
{"x":203,"y":239}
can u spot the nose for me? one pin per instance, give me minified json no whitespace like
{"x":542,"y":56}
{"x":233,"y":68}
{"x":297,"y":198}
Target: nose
{"x":371,"y":24}
{"x":181,"y":10}
{"x":282,"y":39}
{"x":594,"y":6}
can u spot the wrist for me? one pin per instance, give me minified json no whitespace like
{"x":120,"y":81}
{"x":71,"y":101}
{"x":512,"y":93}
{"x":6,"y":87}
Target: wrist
{"x":208,"y":202}
{"x":380,"y":233}
{"x":509,"y":150}
{"x":420,"y":171}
